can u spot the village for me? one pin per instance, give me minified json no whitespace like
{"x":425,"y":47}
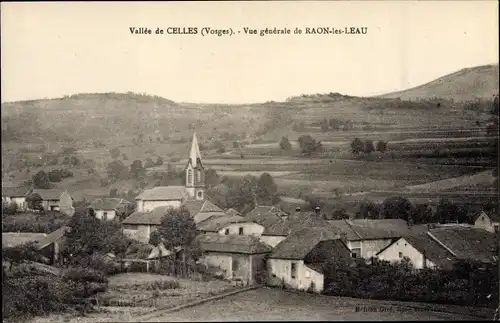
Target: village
{"x":265,"y":246}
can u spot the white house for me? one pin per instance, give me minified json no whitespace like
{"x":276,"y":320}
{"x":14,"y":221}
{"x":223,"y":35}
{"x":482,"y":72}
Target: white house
{"x":483,"y":221}
{"x":15,"y":195}
{"x":56,"y":200}
{"x":107,"y":208}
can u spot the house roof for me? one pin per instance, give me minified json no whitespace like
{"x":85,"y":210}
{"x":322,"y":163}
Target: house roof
{"x":108,"y":203}
{"x":215,"y":223}
{"x":148,"y":251}
{"x":147,"y":218}
{"x":163,"y":193}
{"x":428,"y":247}
{"x":232,"y":244}
{"x":201,"y":206}
{"x":53,"y":237}
{"x":298,"y":221}
{"x":317,"y":267}
{"x":298,"y":244}
{"x":18,"y":191}
{"x":51,"y":194}
{"x":12,"y":239}
{"x":265,"y":215}
{"x":232,"y":212}
{"x":362,"y":229}
{"x":466,"y":242}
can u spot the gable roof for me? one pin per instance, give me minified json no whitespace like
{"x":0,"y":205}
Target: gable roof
{"x":466,"y":242}
{"x":163,"y":193}
{"x":215,"y":223}
{"x":265,"y":215}
{"x":18,"y":191}
{"x":298,"y":221}
{"x":363,"y":229}
{"x":52,"y":194}
{"x":53,"y":237}
{"x":298,"y":244}
{"x":429,"y":248}
{"x":232,"y":244}
{"x":201,"y":206}
{"x":232,"y":212}
{"x":147,"y":218}
{"x":108,"y":203}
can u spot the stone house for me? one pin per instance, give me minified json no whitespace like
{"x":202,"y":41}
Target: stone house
{"x":107,"y":208}
{"x":484,"y":221}
{"x":16,"y":195}
{"x":297,"y":262}
{"x":56,"y":200}
{"x":140,"y":225}
{"x":239,"y":257}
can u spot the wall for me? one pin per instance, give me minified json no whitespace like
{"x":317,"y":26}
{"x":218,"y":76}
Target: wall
{"x":20,"y":201}
{"x":370,"y":248}
{"x":249,"y":228}
{"x":484,"y":222}
{"x":280,"y":270}
{"x":47,"y":205}
{"x":407,"y":250}
{"x":111,"y":214}
{"x":141,"y":233}
{"x":273,"y":241}
{"x":66,"y":204}
{"x":147,"y":206}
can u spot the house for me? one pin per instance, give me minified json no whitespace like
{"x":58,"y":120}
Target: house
{"x":484,"y":221}
{"x":56,"y":200}
{"x":239,"y":257}
{"x":230,"y":225}
{"x":15,"y":195}
{"x":443,"y":246}
{"x":107,"y":208}
{"x":267,"y":216}
{"x":161,"y":196}
{"x":277,"y":232}
{"x":51,"y":245}
{"x":140,"y":225}
{"x":202,"y":209}
{"x":232,"y":212}
{"x":297,"y":261}
{"x":365,"y":238}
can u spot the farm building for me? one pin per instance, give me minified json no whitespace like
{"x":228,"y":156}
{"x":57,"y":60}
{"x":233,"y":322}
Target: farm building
{"x":484,"y":221}
{"x":107,"y":208}
{"x":298,"y":260}
{"x":239,"y":257}
{"x":50,"y":246}
{"x":229,"y":225}
{"x":442,"y":246}
{"x":140,"y":225}
{"x":15,"y":195}
{"x":56,"y":200}
{"x":365,"y":238}
{"x":267,"y":216}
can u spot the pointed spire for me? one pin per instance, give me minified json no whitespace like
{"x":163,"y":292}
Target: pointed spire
{"x":194,"y":154}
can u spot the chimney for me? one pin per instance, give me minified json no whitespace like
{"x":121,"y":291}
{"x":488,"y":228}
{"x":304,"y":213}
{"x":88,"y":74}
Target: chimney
{"x":316,"y":210}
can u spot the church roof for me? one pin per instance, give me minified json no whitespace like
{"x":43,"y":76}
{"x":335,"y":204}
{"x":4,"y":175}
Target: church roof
{"x":194,"y":153}
{"x":163,"y":193}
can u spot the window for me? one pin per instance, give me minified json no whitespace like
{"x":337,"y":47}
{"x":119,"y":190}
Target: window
{"x":400,"y":255}
{"x":190,"y":176}
{"x":226,"y":232}
{"x":294,"y":270}
{"x":356,"y":252}
{"x":200,"y":194}
{"x":198,"y":175}
{"x":240,"y":231}
{"x":235,"y":264}
{"x":105,"y":216}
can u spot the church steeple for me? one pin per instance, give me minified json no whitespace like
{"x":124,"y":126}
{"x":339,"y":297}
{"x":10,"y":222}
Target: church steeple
{"x":195,"y":173}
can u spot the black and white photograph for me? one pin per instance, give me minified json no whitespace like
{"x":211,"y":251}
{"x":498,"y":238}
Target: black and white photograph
{"x":192,"y":161}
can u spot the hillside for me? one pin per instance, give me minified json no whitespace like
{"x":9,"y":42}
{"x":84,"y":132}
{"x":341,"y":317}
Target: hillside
{"x":464,"y":85}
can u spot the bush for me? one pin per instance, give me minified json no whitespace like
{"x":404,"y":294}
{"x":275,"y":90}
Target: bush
{"x":163,"y":284}
{"x":86,"y":274}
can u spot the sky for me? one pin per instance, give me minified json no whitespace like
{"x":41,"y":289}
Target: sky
{"x":54,"y":49}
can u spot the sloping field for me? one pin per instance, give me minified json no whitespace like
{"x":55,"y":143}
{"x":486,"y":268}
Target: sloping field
{"x":479,"y":178}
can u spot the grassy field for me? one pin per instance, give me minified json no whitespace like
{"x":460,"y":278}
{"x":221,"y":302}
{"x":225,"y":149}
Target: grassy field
{"x":273,"y":304}
{"x":11,"y":239}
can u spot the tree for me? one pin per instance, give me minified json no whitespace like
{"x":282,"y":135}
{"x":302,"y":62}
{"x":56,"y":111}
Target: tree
{"x":348,"y":125}
{"x":155,"y":238}
{"x":41,"y":180}
{"x":266,"y":190}
{"x":219,"y":147}
{"x":324,"y":125}
{"x":159,"y":161}
{"x":113,"y":192}
{"x":309,"y":146}
{"x":446,"y":211}
{"x":381,"y":146}
{"x":211,"y":178}
{"x":115,"y":153}
{"x":368,"y":147}
{"x":124,"y":157}
{"x":396,"y":207}
{"x":421,"y":214}
{"x":34,"y":202}
{"x":178,"y":230}
{"x":357,"y":146}
{"x":285,"y":144}
{"x":117,"y":170}
{"x":369,"y":210}
{"x":55,"y":175}
{"x":9,"y":208}
{"x":335,"y":124}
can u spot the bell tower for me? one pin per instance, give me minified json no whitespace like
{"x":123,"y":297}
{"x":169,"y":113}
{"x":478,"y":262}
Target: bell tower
{"x":195,"y":173}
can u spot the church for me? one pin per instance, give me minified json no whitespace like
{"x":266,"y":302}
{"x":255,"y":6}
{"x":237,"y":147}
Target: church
{"x":152,"y":204}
